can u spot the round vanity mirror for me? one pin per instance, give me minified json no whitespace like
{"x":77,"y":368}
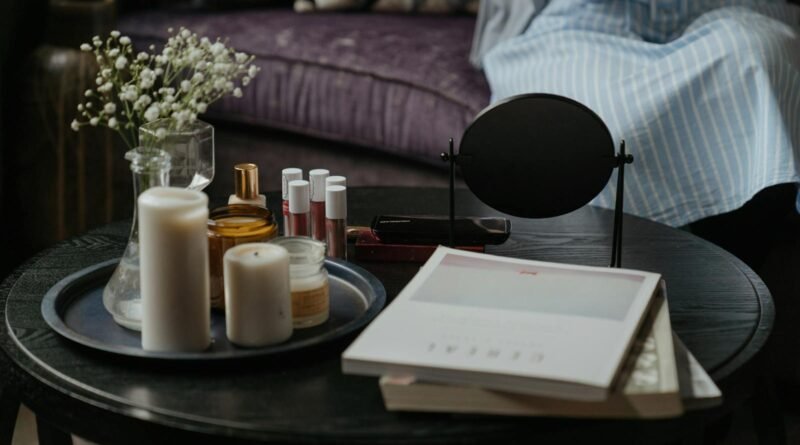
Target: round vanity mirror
{"x":537,"y":155}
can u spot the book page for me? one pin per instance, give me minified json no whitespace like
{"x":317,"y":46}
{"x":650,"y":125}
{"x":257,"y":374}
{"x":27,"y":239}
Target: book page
{"x":462,"y":281}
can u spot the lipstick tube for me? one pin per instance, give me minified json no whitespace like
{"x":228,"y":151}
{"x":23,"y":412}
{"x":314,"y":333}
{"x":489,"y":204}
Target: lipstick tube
{"x":288,"y":175}
{"x":298,"y":208}
{"x":317,"y":178}
{"x":336,"y":220}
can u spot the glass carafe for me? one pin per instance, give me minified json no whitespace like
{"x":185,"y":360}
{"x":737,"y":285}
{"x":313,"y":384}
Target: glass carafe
{"x":121,"y":296}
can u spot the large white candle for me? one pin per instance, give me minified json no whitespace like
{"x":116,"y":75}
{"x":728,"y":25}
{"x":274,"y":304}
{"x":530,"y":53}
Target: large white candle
{"x":173,"y":261}
{"x":258,"y":306}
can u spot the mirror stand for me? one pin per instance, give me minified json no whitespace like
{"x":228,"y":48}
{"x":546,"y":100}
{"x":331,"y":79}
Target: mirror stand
{"x":621,"y":158}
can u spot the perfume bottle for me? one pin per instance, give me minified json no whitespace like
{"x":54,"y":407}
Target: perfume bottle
{"x":245,"y":177}
{"x":230,"y":226}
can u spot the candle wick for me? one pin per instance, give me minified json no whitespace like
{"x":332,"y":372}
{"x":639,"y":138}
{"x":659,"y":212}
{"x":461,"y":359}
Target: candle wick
{"x":255,"y":253}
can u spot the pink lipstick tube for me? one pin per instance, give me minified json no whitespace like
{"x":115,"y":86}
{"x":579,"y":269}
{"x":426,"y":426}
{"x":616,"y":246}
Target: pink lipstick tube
{"x":317,"y":178}
{"x":298,"y":208}
{"x":336,"y":220}
{"x":288,"y":175}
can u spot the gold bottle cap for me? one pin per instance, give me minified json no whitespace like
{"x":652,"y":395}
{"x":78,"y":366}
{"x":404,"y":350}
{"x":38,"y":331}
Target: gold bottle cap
{"x":246,"y":178}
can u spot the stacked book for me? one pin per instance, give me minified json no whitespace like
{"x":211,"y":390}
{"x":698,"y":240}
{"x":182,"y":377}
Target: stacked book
{"x":475,"y":333}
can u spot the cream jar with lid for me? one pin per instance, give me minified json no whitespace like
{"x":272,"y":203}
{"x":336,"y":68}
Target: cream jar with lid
{"x":309,"y":280}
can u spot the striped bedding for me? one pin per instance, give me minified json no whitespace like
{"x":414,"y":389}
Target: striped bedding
{"x":706,"y":93}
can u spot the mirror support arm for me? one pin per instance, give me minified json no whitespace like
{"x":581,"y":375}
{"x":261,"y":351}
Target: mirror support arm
{"x":451,"y":158}
{"x":621,"y":159}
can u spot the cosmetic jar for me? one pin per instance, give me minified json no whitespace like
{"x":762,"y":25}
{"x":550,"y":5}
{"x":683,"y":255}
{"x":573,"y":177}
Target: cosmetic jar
{"x":309,"y":280}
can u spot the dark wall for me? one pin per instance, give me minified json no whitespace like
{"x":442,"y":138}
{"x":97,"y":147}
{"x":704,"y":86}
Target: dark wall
{"x":22,"y":27}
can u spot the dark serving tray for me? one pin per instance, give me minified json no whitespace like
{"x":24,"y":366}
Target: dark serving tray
{"x":74,"y":308}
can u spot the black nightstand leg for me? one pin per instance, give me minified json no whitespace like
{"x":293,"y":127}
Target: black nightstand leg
{"x":767,"y":415}
{"x":9,"y":407}
{"x":50,"y":435}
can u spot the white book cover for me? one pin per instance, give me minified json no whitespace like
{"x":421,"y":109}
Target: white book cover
{"x":524,"y":326}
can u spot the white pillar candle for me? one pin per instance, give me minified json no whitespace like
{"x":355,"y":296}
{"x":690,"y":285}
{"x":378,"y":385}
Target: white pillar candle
{"x":173,"y":261}
{"x":258,"y":299}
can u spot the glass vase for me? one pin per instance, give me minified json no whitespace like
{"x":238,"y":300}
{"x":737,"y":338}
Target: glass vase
{"x":190,"y":146}
{"x":121,"y":296}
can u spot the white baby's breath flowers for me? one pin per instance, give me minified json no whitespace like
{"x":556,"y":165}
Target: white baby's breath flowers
{"x":180,"y":81}
{"x":151,"y":113}
{"x":128,"y":93}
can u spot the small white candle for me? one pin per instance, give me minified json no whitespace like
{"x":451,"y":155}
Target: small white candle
{"x":258,"y":309}
{"x":173,"y":259}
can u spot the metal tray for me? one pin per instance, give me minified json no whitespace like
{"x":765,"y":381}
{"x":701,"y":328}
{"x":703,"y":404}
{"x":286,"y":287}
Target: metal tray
{"x":74,"y":308}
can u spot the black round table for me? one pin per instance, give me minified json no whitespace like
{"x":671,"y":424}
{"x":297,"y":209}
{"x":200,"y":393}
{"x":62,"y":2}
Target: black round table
{"x":719,"y":308}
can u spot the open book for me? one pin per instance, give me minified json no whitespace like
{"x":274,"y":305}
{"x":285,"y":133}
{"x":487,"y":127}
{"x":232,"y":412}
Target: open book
{"x":526,"y":327}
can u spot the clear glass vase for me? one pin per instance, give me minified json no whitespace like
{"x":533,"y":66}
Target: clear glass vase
{"x":190,"y":146}
{"x":121,"y":296}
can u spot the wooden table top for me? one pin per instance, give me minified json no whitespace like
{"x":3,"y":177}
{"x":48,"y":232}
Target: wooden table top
{"x":719,"y":308}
